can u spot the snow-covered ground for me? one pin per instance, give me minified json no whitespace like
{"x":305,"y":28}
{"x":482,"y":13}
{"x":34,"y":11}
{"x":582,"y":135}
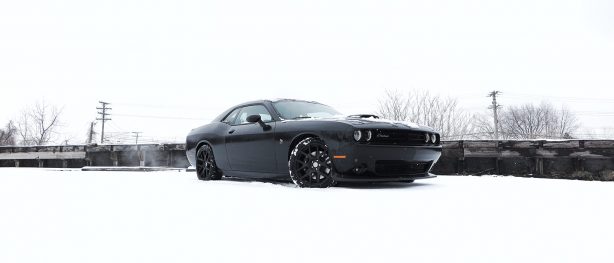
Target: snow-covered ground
{"x":73,"y":216}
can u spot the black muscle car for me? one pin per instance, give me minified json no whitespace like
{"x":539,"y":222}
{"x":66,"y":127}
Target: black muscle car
{"x":312,"y":144}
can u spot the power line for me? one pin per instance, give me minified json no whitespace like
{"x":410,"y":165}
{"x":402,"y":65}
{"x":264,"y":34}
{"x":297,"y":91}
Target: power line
{"x":158,"y":117}
{"x":115,"y":126}
{"x":103,"y":117}
{"x":166,"y":106}
{"x":588,"y":99}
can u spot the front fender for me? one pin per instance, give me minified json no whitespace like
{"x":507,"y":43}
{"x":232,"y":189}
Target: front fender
{"x":212,"y":135}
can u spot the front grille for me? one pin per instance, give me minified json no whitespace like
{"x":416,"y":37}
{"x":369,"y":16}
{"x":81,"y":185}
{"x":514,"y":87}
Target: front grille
{"x":398,"y":137}
{"x":388,"y":168}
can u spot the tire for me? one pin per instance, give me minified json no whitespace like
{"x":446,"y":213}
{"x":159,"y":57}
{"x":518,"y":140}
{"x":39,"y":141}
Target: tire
{"x":310,"y":164}
{"x":206,"y":169}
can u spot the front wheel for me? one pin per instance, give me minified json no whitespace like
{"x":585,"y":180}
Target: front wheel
{"x":310,"y":164}
{"x":206,"y":169}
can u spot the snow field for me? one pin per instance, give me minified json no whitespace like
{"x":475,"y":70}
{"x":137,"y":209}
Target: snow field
{"x":74,"y":216}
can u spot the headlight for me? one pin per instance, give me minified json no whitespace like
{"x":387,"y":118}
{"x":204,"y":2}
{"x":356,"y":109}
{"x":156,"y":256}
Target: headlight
{"x":369,"y":135}
{"x":427,"y":138}
{"x":434,"y":138}
{"x":357,"y":135}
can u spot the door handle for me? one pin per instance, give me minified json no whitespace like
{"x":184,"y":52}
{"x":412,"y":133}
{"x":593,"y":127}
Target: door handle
{"x":231,"y":131}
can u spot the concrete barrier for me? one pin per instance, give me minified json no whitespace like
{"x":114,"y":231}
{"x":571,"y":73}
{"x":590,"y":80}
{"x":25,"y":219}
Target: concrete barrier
{"x":78,"y":156}
{"x":537,"y":158}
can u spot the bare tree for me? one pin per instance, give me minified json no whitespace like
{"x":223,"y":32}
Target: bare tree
{"x":8,"y":134}
{"x":538,"y":122}
{"x":38,"y":125}
{"x":484,"y":127}
{"x":394,"y":106}
{"x":567,"y":123}
{"x":442,"y":113}
{"x":24,"y":129}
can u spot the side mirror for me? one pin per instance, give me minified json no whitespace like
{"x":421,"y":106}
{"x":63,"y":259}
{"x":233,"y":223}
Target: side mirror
{"x":258,"y":119}
{"x":254,"y":118}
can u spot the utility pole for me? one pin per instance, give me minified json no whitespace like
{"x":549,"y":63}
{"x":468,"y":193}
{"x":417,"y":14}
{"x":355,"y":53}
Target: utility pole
{"x":103,"y":111}
{"x":140,"y":153}
{"x":495,"y":107}
{"x":137,"y":135}
{"x":91,"y":133}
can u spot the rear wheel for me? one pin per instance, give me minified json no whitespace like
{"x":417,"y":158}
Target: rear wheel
{"x":206,"y":169}
{"x":310,"y":164}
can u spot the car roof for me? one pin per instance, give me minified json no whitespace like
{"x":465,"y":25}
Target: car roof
{"x":272,"y":101}
{"x":223,"y":115}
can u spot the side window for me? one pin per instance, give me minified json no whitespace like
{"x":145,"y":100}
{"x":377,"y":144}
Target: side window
{"x":231,"y":117}
{"x":253,"y":110}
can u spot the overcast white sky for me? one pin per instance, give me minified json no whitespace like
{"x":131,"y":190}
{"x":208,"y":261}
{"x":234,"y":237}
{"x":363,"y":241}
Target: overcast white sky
{"x":193,"y":58}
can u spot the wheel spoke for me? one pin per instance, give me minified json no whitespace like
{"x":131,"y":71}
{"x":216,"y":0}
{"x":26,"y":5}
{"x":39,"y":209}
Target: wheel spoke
{"x":311,"y":165}
{"x":205,"y":164}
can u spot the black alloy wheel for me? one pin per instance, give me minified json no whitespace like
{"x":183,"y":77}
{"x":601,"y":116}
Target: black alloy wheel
{"x":311,"y":165}
{"x":206,"y":169}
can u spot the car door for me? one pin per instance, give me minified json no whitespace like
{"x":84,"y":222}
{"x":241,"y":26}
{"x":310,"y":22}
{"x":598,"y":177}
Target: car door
{"x":250,"y":146}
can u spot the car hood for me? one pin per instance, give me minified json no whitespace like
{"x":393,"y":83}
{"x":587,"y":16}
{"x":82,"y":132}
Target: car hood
{"x":372,"y":122}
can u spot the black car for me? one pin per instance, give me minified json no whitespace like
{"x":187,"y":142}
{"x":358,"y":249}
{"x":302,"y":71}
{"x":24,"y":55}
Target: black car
{"x":312,"y":144}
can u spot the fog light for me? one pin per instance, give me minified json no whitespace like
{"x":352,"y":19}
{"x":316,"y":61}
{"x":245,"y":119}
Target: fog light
{"x":361,"y":169}
{"x":357,"y":135}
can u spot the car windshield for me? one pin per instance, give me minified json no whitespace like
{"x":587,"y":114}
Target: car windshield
{"x":290,"y":110}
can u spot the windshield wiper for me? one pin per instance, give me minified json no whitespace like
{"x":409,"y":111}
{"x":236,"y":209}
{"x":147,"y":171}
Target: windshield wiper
{"x":301,"y":117}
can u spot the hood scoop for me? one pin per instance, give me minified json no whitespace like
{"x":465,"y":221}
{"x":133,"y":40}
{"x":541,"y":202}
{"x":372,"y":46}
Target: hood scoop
{"x":363,"y":116}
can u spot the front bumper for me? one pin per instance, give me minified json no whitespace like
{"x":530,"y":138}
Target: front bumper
{"x":374,"y":163}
